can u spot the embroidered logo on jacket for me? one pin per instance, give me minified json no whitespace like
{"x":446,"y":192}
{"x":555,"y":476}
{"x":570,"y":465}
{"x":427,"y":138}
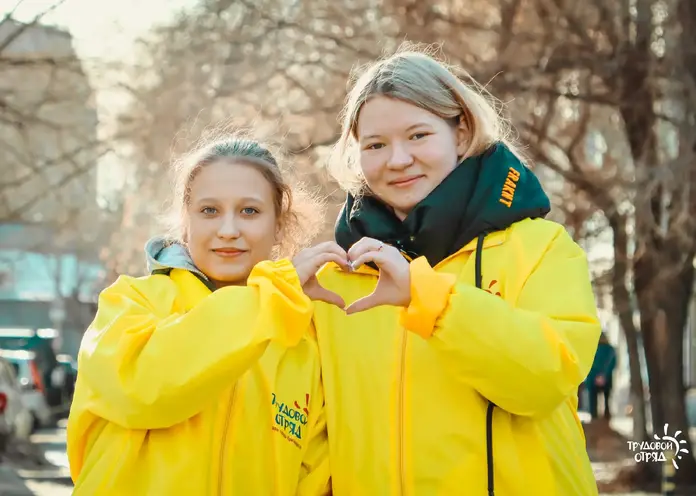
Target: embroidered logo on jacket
{"x":490,"y":288}
{"x":290,"y":418}
{"x":509,"y":187}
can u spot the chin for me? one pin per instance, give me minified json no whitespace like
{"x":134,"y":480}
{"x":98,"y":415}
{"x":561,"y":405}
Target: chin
{"x":230,"y":277}
{"x":406,"y":202}
{"x":404,"y":206}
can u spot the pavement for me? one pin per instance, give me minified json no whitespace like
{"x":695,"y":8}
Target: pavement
{"x":54,"y":480}
{"x":624,"y":426}
{"x":11,"y":484}
{"x":51,"y":480}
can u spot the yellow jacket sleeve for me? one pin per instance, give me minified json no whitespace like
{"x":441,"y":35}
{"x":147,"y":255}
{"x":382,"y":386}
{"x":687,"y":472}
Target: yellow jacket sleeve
{"x":149,"y":365}
{"x":315,"y":473}
{"x":526,"y":356}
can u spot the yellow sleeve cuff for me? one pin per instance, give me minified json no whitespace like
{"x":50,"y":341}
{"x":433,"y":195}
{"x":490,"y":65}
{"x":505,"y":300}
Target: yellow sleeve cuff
{"x":430,"y":292}
{"x":284,"y":286}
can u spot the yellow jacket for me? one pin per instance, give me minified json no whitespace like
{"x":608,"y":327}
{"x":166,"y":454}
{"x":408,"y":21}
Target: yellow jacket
{"x":186,"y":392}
{"x":408,"y":391}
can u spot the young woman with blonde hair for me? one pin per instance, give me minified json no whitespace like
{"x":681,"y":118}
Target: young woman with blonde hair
{"x":471,"y":319}
{"x":202,"y":378}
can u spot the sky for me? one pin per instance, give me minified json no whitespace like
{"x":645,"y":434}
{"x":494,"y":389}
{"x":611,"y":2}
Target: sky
{"x":100,"y":28}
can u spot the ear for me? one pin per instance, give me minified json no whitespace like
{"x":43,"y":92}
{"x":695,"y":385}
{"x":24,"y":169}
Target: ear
{"x":185,"y":233}
{"x":279,"y":231}
{"x":463,"y":133}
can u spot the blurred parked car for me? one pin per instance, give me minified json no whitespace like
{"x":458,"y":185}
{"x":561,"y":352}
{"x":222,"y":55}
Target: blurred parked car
{"x":15,"y":417}
{"x":63,"y":380}
{"x":50,"y":376}
{"x":31,"y":381}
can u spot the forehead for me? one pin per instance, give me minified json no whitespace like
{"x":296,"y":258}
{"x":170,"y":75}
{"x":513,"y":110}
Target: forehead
{"x":227,"y":180}
{"x":382,"y":115}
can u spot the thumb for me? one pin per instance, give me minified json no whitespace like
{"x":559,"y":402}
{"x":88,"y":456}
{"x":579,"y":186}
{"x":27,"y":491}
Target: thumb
{"x":365,"y":303}
{"x":323,"y":294}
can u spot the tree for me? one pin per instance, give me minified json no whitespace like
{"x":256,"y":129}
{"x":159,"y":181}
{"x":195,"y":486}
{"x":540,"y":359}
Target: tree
{"x":48,"y":125}
{"x":602,"y":94}
{"x":49,"y":151}
{"x":616,"y":64}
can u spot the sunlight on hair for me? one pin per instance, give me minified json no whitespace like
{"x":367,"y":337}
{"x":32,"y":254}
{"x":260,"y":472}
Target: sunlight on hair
{"x":416,"y":75}
{"x":300,"y":210}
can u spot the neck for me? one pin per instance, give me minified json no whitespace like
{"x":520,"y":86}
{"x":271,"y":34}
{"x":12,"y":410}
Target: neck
{"x":400,"y":214}
{"x":224,"y":284}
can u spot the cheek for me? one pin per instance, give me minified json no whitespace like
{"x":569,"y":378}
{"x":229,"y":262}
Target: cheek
{"x":196,"y":229}
{"x":440,"y":157}
{"x":372,"y":166}
{"x":198,"y":234}
{"x":262,"y":233}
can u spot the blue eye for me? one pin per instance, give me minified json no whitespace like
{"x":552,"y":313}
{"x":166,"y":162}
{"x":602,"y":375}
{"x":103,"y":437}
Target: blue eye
{"x":249,"y":211}
{"x":208,"y":210}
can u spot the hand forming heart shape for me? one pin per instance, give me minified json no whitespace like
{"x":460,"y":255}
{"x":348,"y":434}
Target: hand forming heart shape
{"x":310,"y":260}
{"x":394,"y":284}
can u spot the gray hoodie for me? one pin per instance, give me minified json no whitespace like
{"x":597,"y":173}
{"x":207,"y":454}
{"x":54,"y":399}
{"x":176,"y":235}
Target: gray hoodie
{"x":164,"y":254}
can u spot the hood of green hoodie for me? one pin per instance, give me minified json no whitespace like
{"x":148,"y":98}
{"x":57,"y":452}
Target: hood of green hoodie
{"x":485,"y":193}
{"x":163,"y":255}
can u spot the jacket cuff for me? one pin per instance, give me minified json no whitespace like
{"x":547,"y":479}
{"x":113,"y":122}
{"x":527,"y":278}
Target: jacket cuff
{"x":285,"y":270}
{"x":284,"y":278}
{"x":430,"y":292}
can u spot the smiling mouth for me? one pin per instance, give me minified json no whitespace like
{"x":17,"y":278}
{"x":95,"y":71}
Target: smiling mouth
{"x":226,"y":253}
{"x":402,"y":183}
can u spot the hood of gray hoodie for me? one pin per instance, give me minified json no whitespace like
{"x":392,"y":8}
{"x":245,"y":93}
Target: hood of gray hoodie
{"x":163,"y":255}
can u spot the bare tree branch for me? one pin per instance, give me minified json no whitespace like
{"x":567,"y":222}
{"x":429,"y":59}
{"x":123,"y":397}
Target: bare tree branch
{"x":23,"y":27}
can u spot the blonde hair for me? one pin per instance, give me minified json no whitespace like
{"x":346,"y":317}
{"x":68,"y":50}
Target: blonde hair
{"x":415,"y":76}
{"x":296,"y":210}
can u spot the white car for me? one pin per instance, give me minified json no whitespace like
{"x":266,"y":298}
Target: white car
{"x":15,"y":417}
{"x":32,"y":388}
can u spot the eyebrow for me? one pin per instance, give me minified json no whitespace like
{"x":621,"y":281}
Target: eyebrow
{"x":409,"y":128}
{"x":253,"y":199}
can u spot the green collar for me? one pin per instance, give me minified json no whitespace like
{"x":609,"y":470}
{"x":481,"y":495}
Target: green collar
{"x":483,"y":194}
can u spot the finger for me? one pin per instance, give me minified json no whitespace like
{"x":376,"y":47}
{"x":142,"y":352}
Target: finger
{"x":330,"y":247}
{"x":323,"y":258}
{"x":380,"y":258}
{"x":363,"y":246}
{"x":323,"y":294}
{"x":370,"y":301}
{"x":336,"y":251}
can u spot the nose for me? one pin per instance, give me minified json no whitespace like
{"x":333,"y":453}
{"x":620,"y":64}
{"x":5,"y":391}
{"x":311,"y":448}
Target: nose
{"x":400,"y":157}
{"x":229,"y":227}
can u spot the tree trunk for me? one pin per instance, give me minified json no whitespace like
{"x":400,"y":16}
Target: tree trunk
{"x":624,"y":309}
{"x":663,"y":270}
{"x":664,"y":291}
{"x":674,"y":307}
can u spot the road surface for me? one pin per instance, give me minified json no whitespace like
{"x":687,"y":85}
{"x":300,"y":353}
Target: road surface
{"x":52,"y":481}
{"x":56,"y":481}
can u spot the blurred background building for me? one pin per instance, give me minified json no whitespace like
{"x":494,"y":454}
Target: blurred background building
{"x":49,"y":217}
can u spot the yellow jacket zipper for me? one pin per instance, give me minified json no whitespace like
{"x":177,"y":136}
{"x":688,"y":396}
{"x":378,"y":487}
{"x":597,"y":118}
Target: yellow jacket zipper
{"x":402,"y":386}
{"x":223,"y":446}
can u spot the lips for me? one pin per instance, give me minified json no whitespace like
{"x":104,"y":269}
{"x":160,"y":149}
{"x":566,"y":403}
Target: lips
{"x":228,"y":252}
{"x":405,"y":181}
